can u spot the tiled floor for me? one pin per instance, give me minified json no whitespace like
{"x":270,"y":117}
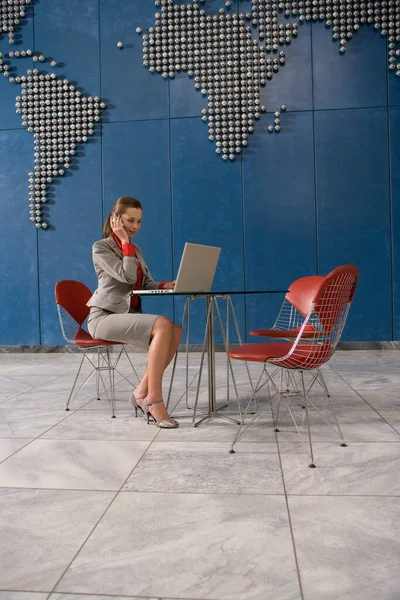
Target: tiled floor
{"x":93,"y":507}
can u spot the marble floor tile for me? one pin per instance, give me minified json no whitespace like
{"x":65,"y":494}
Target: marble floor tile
{"x":98,"y":425}
{"x":364,"y":469}
{"x":216,"y":429}
{"x":46,"y":400}
{"x":20,"y":422}
{"x":72,"y":464}
{"x":57,"y":596}
{"x":9,"y":446}
{"x":207,"y":467}
{"x":347,"y":548}
{"x":9,"y":595}
{"x":200,"y":542}
{"x":356,"y":426}
{"x":41,"y":532}
{"x":388,"y":399}
{"x":16,"y":383}
{"x":392,"y":417}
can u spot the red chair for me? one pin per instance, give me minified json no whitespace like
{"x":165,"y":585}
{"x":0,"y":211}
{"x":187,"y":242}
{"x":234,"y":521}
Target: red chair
{"x":71,"y":298}
{"x":309,"y":350}
{"x":294,"y":309}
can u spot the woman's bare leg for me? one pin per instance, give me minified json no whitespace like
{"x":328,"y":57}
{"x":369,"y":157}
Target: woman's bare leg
{"x":165,"y":340}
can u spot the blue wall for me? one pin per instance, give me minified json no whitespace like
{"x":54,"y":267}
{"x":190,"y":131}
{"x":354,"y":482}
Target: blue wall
{"x":323,"y":192}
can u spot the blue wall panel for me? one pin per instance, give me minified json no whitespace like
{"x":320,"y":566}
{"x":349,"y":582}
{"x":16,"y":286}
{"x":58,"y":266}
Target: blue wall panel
{"x":279,"y":199}
{"x":395,"y":173}
{"x":353,"y":206}
{"x":394,"y":89}
{"x":355,"y":79}
{"x":65,"y":250}
{"x":207,"y":205}
{"x":137,"y":163}
{"x":68,"y":31}
{"x":324,"y":191}
{"x":131,"y":89}
{"x":19,"y":305}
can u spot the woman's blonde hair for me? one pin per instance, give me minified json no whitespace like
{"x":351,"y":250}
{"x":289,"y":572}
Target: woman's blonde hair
{"x":120,"y":206}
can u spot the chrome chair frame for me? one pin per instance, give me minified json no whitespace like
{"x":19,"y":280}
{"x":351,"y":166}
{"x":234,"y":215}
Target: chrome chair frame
{"x":69,"y":329}
{"x":327,"y":316}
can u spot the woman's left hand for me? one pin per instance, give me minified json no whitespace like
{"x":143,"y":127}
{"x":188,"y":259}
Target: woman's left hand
{"x":169,"y":285}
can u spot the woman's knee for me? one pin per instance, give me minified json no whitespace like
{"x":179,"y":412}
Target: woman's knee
{"x":163,"y":325}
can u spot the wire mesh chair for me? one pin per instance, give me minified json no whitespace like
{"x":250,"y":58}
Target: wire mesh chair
{"x":295,"y":307}
{"x":327,"y":316}
{"x":71,"y":298}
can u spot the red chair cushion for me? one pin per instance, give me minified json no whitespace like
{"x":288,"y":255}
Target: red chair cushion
{"x":260,"y":352}
{"x":83,"y":339}
{"x":305,"y":356}
{"x":308,"y":332}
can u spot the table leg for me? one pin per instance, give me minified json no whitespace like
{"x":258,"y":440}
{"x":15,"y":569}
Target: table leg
{"x":213,"y":411}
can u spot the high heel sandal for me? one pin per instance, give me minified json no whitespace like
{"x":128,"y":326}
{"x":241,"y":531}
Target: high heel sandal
{"x":163,"y":423}
{"x":134,"y":401}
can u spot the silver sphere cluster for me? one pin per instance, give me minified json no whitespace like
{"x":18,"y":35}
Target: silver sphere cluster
{"x":60,"y":117}
{"x":346,"y":17}
{"x":227,"y":64}
{"x":11,"y":13}
{"x":229,"y":55}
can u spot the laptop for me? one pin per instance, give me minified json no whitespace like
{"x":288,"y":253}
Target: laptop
{"x":196,"y":270}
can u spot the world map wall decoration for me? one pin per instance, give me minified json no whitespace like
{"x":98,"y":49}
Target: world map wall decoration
{"x":11,"y":14}
{"x":60,"y":118}
{"x":232,"y":55}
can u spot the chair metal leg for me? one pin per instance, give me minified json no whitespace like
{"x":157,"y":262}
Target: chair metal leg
{"x":97,"y":374}
{"x":130,"y":362}
{"x":325,"y":387}
{"x":112,"y":382}
{"x":239,"y":337}
{"x":74,"y":384}
{"x":311,"y":465}
{"x":240,"y":432}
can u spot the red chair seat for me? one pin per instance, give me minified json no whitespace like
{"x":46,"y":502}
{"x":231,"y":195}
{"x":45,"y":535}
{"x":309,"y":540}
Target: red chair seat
{"x":308,"y":332}
{"x":83,"y":339}
{"x":305,"y":356}
{"x":260,"y":352}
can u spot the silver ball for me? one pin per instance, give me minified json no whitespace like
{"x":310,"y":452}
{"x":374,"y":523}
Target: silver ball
{"x":120,"y":45}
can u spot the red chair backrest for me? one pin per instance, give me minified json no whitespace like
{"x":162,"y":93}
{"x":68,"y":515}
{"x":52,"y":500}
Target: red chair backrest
{"x":336,"y":291}
{"x":72,"y":296}
{"x":302,"y":292}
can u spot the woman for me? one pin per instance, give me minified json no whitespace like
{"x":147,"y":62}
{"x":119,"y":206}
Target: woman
{"x":115,"y":315}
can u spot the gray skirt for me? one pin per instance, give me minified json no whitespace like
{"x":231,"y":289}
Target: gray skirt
{"x":129,"y":328}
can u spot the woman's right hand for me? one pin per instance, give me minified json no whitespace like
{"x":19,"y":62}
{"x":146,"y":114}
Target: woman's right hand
{"x":119,"y":229}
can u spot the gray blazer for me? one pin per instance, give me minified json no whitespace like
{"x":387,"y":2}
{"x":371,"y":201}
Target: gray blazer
{"x":116,"y":276}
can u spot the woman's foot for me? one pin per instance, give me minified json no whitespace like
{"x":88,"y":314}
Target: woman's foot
{"x":157,"y":410}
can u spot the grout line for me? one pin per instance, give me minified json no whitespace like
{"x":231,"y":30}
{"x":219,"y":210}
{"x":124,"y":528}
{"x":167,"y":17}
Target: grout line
{"x":101,"y":131}
{"x":84,"y":542}
{"x":100,"y":518}
{"x":244,"y":245}
{"x":197,"y":493}
{"x":316,"y":214}
{"x":96,"y":595}
{"x":171,"y":195}
{"x":366,"y":401}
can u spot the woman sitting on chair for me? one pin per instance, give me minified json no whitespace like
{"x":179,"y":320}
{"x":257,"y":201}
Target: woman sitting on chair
{"x":117,"y":316}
